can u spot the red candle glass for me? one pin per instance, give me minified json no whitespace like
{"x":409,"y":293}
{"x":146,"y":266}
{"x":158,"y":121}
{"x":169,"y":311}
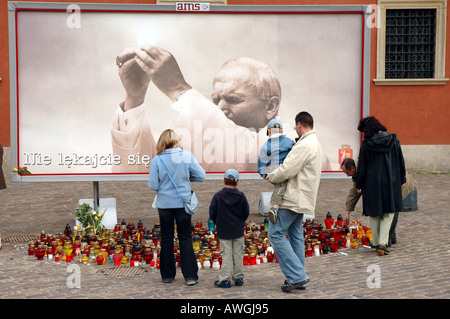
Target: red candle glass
{"x":31,"y":250}
{"x":100,"y":259}
{"x":148,"y":256}
{"x":49,"y":251}
{"x":245,"y":261}
{"x":329,"y":221}
{"x":365,"y":240}
{"x":308,"y":229}
{"x":355,"y":232}
{"x":308,"y":251}
{"x":117,"y":259}
{"x":322,"y":234}
{"x":333,"y":245}
{"x":39,"y":253}
{"x":339,"y":221}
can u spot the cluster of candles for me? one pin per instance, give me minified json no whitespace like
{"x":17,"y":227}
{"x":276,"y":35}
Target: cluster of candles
{"x":333,"y":236}
{"x":207,"y":246}
{"x":125,"y":243}
{"x":138,"y":245}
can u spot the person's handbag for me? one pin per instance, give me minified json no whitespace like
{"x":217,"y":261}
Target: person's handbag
{"x":190,"y":202}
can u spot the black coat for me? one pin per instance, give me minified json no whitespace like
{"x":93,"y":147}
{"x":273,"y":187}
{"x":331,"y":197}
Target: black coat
{"x":380,"y":174}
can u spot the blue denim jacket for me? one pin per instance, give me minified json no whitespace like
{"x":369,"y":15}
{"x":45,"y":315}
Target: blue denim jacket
{"x":184,"y":169}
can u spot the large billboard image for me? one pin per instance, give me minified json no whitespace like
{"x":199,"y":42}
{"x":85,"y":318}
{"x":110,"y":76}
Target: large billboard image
{"x":93,"y":86}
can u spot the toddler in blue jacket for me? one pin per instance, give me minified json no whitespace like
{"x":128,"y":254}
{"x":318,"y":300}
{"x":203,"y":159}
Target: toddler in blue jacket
{"x":271,"y":155}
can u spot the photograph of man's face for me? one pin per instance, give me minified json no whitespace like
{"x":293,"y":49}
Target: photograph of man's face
{"x":248,"y":92}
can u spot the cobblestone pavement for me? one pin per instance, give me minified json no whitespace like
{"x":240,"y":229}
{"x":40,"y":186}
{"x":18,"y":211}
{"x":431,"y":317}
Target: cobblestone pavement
{"x":418,"y":266}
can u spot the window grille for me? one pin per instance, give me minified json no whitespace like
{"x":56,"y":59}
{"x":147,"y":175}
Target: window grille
{"x":410,"y":43}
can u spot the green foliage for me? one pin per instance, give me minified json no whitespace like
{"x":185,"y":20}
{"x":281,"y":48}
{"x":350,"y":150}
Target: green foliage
{"x":89,"y":218}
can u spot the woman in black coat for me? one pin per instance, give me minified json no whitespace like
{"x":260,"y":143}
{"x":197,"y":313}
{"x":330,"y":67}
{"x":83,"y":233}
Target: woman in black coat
{"x":380,"y":176}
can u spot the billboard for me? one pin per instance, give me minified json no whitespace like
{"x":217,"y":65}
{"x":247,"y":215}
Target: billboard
{"x":94,"y":85}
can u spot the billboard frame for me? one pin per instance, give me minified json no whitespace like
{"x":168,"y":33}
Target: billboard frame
{"x":14,"y":7}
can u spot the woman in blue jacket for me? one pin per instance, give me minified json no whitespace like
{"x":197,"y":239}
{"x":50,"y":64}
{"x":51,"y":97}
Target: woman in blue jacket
{"x":184,"y":169}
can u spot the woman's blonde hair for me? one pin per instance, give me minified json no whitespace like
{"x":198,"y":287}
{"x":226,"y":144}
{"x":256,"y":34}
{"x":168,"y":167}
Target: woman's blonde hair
{"x":167,"y":139}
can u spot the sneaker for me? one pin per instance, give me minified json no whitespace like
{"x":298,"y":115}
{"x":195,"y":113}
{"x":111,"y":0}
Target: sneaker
{"x":288,"y":287}
{"x":273,"y":215}
{"x":191,"y":282}
{"x":222,"y":284}
{"x":239,"y":282}
{"x":168,"y":280}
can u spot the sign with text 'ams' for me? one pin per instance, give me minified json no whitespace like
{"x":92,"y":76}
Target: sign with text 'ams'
{"x":191,"y":6}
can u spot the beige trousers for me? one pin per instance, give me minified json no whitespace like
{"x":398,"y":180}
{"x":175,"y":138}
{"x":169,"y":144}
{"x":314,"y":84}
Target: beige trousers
{"x":380,"y":228}
{"x":232,"y":258}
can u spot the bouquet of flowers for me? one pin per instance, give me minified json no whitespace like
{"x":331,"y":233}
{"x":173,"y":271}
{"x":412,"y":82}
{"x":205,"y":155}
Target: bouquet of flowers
{"x":89,"y":218}
{"x":22,"y":170}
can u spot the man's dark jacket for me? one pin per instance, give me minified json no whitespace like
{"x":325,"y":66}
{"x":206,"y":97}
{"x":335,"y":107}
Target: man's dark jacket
{"x":380,"y":174}
{"x":229,"y":210}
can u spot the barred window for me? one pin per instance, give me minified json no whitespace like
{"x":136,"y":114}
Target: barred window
{"x":410,"y":43}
